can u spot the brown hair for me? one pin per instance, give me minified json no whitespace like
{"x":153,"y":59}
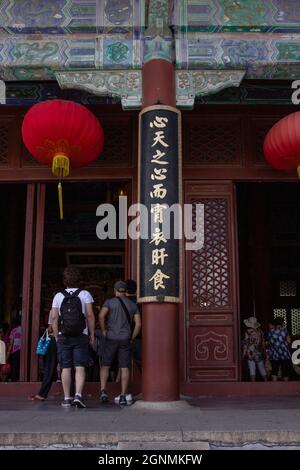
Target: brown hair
{"x":71,"y":277}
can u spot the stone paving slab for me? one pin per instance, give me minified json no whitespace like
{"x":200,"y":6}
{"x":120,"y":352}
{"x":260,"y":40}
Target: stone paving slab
{"x":217,"y":421}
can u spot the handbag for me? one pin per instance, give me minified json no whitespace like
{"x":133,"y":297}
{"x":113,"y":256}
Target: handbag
{"x":2,"y":352}
{"x":43,"y":344}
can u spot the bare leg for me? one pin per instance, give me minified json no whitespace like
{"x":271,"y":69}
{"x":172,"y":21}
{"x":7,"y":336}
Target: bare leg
{"x":66,"y":382}
{"x":104,"y":371}
{"x":124,"y":380}
{"x":79,"y":379}
{"x":118,"y":376}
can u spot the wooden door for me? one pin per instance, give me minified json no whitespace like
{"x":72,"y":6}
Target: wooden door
{"x":211,"y":313}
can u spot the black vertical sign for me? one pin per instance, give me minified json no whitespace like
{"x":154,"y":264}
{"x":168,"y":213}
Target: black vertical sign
{"x":159,"y":248}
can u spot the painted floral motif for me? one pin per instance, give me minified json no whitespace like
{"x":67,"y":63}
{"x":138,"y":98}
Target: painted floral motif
{"x":117,"y":52}
{"x":118,"y":12}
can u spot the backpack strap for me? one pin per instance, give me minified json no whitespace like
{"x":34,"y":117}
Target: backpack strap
{"x":125,"y":309}
{"x":74,"y":294}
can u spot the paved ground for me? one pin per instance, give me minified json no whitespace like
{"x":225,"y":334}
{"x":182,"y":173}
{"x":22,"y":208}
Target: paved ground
{"x":228,"y":422}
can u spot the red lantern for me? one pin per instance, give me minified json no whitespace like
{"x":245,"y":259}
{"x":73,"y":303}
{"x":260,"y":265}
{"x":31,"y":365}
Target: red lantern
{"x":63,"y":135}
{"x":282,"y":144}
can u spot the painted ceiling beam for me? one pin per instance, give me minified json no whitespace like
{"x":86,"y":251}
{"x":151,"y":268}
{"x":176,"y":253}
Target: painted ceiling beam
{"x":101,"y":46}
{"x":130,"y":16}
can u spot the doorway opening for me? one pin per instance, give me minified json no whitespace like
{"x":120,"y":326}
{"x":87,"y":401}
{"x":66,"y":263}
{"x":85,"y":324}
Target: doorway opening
{"x":74,"y":242}
{"x":269,"y":255}
{"x":12,"y":230}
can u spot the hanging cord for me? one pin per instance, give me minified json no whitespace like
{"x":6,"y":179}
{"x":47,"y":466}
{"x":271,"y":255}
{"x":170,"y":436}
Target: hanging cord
{"x":60,"y":201}
{"x":61,"y":169}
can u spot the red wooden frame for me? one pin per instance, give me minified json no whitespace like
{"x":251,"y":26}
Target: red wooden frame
{"x":37,"y":278}
{"x":27,"y":265}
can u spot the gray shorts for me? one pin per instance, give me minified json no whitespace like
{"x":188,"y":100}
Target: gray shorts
{"x":117,"y":348}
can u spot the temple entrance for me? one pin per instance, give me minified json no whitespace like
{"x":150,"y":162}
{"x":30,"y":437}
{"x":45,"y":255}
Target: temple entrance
{"x":74,"y":242}
{"x":269,"y":254}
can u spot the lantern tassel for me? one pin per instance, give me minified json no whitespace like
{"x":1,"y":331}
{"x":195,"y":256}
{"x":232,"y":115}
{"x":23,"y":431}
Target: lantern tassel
{"x":298,"y":170}
{"x":60,"y":201}
{"x":61,"y":165}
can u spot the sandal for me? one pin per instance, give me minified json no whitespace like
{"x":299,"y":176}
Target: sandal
{"x":37,"y":398}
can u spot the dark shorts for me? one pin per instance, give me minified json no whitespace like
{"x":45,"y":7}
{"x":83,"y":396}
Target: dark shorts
{"x":115,"y":348}
{"x":73,"y":352}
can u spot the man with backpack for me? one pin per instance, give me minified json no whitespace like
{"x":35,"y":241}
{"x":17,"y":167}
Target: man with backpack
{"x":73,"y":324}
{"x":115,"y":318}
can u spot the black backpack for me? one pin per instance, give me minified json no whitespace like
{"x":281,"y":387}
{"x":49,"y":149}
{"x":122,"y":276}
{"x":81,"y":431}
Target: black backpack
{"x":71,"y":319}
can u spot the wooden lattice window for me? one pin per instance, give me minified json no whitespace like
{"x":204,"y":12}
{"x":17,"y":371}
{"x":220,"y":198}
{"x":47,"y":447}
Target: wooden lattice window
{"x":295,"y":321}
{"x":117,"y":144}
{"x":3,"y":145}
{"x":287,"y":289}
{"x":27,"y":158}
{"x":280,"y":312}
{"x":259,"y":128}
{"x":213,"y":141}
{"x":210,"y":265}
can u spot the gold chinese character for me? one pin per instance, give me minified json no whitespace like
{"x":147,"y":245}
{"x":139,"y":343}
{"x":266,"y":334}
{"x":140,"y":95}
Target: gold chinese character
{"x":159,"y":174}
{"x":158,"y":211}
{"x":159,"y":122}
{"x":159,"y":191}
{"x":159,"y":138}
{"x":158,"y":256}
{"x":157,"y":158}
{"x":158,"y":236}
{"x":158,"y":279}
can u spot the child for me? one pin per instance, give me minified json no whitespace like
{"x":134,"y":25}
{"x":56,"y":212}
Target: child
{"x":254,"y":348}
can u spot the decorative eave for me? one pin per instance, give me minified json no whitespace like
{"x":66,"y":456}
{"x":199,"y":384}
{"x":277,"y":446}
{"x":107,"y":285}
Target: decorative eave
{"x":123,"y":84}
{"x":196,"y":83}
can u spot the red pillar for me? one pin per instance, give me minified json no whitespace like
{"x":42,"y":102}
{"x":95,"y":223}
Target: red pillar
{"x":160,"y":379}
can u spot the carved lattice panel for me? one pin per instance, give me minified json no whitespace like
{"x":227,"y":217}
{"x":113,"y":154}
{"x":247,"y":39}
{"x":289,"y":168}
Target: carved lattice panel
{"x":295,"y":321}
{"x":211,"y":286}
{"x":213,"y":141}
{"x":3,"y":145}
{"x":287,"y":288}
{"x":27,"y":158}
{"x":210,"y":265}
{"x":280,"y":312}
{"x":259,"y":128}
{"x":117,"y":142}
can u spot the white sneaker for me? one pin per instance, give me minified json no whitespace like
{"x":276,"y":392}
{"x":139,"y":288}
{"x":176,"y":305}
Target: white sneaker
{"x":129,"y":399}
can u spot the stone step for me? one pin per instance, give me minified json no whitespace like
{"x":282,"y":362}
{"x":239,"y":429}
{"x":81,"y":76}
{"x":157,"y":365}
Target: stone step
{"x":168,"y":445}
